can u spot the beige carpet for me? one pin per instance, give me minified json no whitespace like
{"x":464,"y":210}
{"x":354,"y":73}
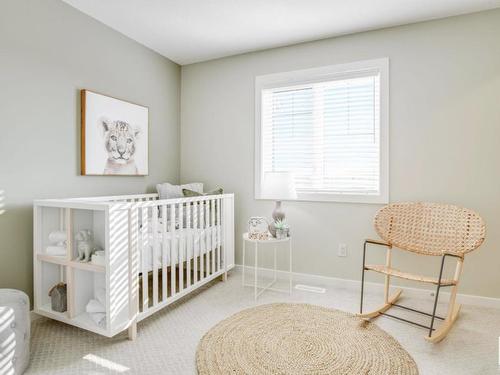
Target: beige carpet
{"x":300,"y":339}
{"x":167,"y":341}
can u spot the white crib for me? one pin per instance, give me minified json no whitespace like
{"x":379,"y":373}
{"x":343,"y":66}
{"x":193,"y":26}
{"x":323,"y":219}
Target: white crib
{"x":156,"y":251}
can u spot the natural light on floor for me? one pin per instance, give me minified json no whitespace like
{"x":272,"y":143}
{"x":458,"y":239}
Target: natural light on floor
{"x":110,"y":365}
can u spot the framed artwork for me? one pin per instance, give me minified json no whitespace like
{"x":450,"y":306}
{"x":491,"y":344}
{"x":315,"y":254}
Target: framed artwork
{"x":114,"y":136}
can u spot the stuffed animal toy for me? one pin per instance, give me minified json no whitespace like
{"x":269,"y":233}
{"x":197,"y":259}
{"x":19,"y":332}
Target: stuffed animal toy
{"x":84,"y":247}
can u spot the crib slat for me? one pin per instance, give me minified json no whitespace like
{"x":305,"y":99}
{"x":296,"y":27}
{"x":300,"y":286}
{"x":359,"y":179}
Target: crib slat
{"x":172,"y":250}
{"x":181,"y":247}
{"x":207,"y":244}
{"x":209,"y":236}
{"x":202,"y":240}
{"x":218,"y":233}
{"x":154,"y":222}
{"x":189,"y":244}
{"x":164,"y":249}
{"x":140,"y":255}
{"x":212,"y":233}
{"x":134,"y":265}
{"x":196,"y":242}
{"x":145,"y":249}
{"x":223,"y":237}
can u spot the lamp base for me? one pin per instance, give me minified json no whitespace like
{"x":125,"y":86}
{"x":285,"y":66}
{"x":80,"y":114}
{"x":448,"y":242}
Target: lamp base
{"x":278,"y":214}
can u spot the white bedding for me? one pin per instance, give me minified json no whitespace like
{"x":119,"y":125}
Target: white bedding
{"x":191,"y":241}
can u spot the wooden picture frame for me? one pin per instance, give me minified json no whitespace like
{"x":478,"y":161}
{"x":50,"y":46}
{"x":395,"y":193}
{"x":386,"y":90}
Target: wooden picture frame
{"x":114,"y":136}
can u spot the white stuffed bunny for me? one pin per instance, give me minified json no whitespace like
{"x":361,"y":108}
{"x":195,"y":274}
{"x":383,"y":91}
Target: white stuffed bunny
{"x":84,"y":247}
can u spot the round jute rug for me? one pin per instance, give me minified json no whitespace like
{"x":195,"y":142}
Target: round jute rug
{"x":300,"y":339}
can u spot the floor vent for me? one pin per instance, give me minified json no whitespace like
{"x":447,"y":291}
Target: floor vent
{"x":308,"y":288}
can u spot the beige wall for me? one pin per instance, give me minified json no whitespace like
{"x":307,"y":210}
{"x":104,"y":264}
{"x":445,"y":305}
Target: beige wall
{"x":48,"y":51}
{"x":444,"y":137}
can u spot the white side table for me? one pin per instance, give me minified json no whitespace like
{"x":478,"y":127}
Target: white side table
{"x":274,"y":242}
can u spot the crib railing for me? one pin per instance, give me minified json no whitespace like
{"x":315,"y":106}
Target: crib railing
{"x":175,"y":246}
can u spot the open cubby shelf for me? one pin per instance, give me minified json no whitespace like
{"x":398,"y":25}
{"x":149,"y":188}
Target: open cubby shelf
{"x":82,"y":320}
{"x":82,"y":279}
{"x":87,"y":266}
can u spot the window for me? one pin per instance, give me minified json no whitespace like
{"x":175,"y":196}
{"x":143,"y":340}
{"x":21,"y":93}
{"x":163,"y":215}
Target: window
{"x":328,"y":127}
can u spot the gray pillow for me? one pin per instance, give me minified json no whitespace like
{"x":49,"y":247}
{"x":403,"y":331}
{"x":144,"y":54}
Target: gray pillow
{"x":169,"y":191}
{"x":192,"y":193}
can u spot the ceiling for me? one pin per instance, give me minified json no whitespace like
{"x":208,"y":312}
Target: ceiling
{"x":188,"y":31}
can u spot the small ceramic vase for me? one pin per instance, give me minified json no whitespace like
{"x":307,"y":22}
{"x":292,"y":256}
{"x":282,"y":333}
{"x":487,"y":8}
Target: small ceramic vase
{"x":280,"y":234}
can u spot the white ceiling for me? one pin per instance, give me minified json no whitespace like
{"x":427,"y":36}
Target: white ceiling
{"x":188,"y":31}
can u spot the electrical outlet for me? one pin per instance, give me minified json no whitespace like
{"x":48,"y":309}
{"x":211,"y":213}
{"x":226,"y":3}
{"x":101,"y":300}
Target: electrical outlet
{"x":342,"y":251}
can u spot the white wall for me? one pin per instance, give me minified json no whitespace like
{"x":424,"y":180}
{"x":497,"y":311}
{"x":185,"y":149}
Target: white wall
{"x":444,"y":137}
{"x":48,"y":52}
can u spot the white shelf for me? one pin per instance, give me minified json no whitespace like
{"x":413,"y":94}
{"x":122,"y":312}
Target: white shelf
{"x":87,"y":266}
{"x":63,"y":261}
{"x":46,"y":310}
{"x":82,"y":320}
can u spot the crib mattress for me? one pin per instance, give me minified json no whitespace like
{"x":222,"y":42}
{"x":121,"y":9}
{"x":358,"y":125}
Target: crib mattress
{"x":191,"y":243}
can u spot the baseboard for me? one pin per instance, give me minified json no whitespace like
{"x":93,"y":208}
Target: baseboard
{"x":315,"y":280}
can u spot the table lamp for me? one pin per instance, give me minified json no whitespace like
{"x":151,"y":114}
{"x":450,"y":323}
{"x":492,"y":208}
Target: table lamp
{"x":278,"y":186}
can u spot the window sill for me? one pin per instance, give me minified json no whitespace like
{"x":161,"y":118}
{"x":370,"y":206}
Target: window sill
{"x":340,"y":198}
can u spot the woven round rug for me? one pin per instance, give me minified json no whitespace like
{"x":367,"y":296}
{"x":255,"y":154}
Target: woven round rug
{"x":300,"y":339}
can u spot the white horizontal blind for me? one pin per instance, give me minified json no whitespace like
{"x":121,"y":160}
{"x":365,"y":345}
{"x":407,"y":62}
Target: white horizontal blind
{"x":326,"y":133}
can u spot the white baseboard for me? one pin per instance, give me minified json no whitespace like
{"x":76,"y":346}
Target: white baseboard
{"x":355,"y":285}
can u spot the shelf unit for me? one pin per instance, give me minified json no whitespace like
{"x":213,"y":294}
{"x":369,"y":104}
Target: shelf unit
{"x":86,"y":266}
{"x":83,"y":279}
{"x":126,"y":228}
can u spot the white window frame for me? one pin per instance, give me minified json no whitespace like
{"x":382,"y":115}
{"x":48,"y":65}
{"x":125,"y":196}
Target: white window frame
{"x":325,"y":73}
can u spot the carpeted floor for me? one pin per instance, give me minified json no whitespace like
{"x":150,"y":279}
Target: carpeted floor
{"x":167,"y":341}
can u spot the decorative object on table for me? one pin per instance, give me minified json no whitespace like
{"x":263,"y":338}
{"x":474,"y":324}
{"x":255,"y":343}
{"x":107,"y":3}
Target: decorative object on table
{"x":278,"y":186}
{"x":426,"y":229}
{"x":58,"y":243}
{"x":84,"y":245}
{"x":58,"y":297}
{"x":286,"y":338}
{"x":14,"y":331}
{"x":281,"y":229}
{"x":98,"y":257}
{"x":258,"y":228}
{"x":114,"y":136}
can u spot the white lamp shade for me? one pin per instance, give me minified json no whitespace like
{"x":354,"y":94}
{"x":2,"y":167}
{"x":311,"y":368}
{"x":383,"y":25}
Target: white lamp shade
{"x":278,"y":186}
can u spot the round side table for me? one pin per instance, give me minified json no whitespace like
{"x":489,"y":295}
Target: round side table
{"x":269,"y":286}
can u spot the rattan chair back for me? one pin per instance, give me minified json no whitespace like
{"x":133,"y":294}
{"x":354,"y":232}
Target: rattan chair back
{"x":430,"y":228}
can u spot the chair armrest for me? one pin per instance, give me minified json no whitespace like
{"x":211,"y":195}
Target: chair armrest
{"x":378,"y":242}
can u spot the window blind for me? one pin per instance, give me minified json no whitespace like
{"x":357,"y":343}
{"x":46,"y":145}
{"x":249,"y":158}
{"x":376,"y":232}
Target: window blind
{"x":326,"y":133}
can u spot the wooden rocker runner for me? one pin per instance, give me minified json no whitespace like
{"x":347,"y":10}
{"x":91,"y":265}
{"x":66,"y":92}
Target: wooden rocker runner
{"x":426,"y":229}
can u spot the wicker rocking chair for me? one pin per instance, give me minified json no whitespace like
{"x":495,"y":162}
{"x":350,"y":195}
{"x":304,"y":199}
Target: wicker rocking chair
{"x":426,"y":229}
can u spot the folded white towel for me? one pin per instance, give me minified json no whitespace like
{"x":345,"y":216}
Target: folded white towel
{"x":55,"y":250}
{"x":94,"y":306}
{"x":98,"y":318}
{"x":100,"y":295}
